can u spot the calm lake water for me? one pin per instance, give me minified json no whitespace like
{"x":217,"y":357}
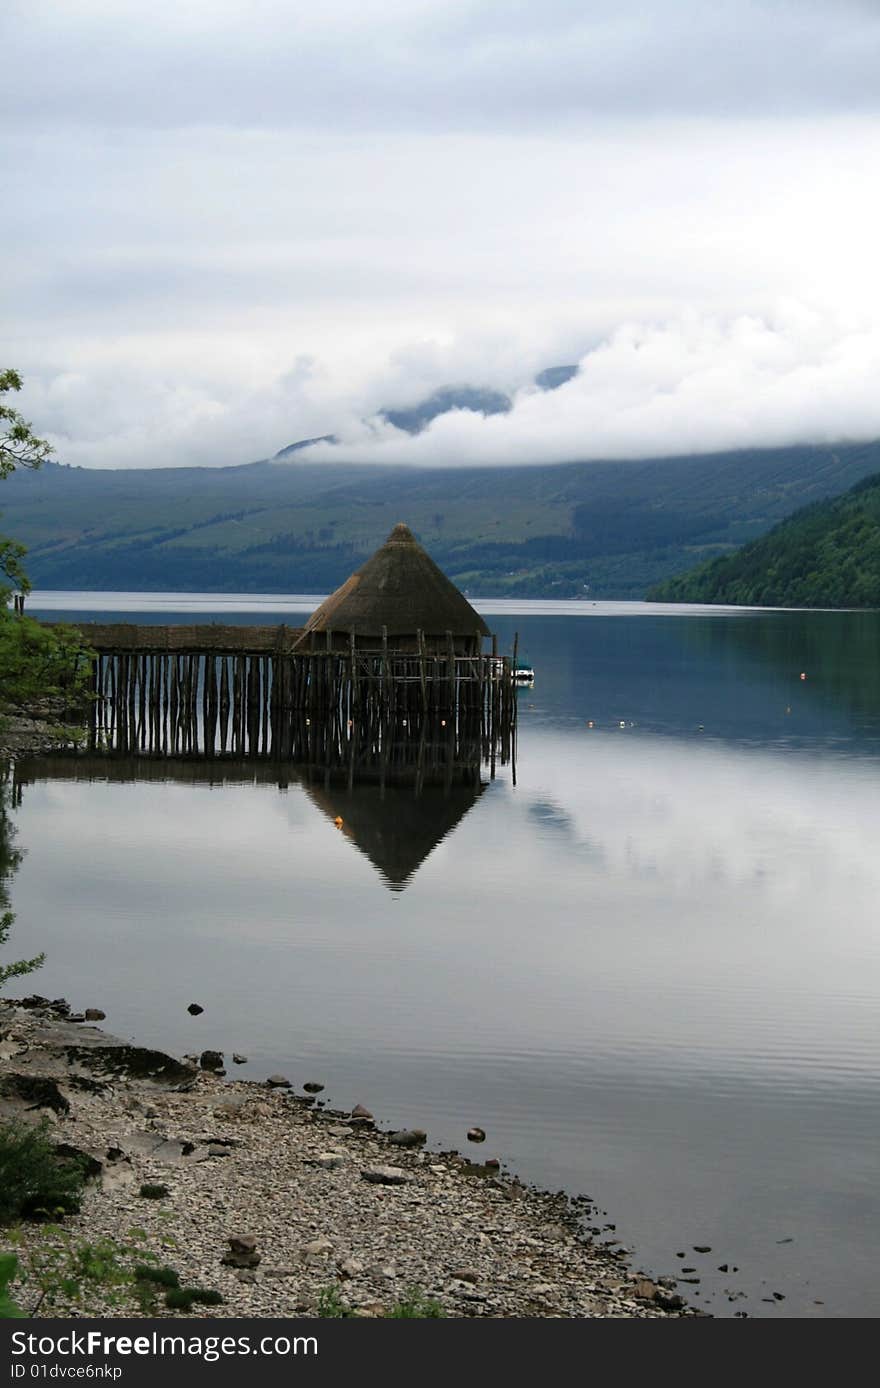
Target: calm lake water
{"x":650,"y":968}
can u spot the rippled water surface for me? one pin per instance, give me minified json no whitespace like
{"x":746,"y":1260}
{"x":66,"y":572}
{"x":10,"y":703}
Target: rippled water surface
{"x":649,"y":968}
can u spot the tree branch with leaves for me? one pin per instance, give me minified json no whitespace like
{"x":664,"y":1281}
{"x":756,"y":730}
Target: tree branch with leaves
{"x":19,"y":445}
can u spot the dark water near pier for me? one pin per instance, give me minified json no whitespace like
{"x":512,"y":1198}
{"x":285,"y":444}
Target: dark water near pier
{"x":650,"y":969}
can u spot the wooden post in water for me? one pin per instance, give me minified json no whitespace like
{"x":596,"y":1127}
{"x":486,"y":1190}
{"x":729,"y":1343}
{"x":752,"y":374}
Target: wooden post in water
{"x":353,"y":705}
{"x":264,"y":704}
{"x":194,"y":663}
{"x":450,"y":657}
{"x":142,"y":706}
{"x":478,"y":671}
{"x":254,"y":705}
{"x":224,"y":702}
{"x":420,"y":635}
{"x":386,"y":672}
{"x":206,"y":702}
{"x":164,"y":682}
{"x":94,"y":690}
{"x":494,"y":686}
{"x":132,"y":698}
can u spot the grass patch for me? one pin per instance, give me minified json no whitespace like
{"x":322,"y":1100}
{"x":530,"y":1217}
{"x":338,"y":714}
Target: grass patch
{"x":414,"y":1305}
{"x":331,"y":1306}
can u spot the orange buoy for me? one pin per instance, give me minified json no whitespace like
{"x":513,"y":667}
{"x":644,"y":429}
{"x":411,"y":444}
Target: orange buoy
{"x":338,"y":821}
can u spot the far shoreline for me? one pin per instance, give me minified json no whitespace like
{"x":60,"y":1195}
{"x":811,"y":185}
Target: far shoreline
{"x":156,"y":600}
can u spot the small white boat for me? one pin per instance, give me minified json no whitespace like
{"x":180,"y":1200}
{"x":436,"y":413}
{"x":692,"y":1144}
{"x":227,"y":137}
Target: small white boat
{"x":524,"y":674}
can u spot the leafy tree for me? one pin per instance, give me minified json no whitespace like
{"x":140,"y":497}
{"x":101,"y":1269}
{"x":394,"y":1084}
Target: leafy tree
{"x":35,"y":662}
{"x":19,"y":447}
{"x":38,"y":663}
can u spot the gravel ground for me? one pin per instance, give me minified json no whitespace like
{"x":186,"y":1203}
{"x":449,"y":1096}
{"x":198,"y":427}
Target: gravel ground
{"x":27,"y":735}
{"x":314,"y":1200}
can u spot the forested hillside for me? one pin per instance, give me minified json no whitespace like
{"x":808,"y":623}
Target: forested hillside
{"x":825,"y":555}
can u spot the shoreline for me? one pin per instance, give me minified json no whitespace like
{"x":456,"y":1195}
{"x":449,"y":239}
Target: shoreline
{"x":33,"y":733}
{"x":320,"y":1200}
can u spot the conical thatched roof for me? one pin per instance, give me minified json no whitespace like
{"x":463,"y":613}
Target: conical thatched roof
{"x":399,"y":588}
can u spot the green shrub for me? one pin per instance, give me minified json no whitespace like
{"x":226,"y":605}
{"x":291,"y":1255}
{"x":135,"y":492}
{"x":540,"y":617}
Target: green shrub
{"x":150,"y":1192}
{"x":184,"y":1298}
{"x":207,"y":1296}
{"x":414,"y":1305}
{"x":38,"y":663}
{"x":331,"y":1306}
{"x":161,"y":1276}
{"x":34,"y":1180}
{"x":63,"y":1268}
{"x":8,"y":1269}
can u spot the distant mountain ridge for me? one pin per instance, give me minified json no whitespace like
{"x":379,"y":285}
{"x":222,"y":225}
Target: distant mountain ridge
{"x":297,"y":447}
{"x":594,"y":529}
{"x":825,"y":555}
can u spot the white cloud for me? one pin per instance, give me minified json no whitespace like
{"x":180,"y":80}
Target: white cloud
{"x":693,"y":385}
{"x":202,"y":200}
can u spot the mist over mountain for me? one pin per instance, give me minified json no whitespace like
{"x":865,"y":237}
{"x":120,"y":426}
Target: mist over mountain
{"x":413,"y":419}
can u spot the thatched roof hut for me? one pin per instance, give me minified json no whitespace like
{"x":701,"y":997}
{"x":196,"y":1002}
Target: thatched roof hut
{"x":401,"y":590}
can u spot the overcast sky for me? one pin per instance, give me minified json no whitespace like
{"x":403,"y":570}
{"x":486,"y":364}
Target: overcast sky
{"x":231,"y":224}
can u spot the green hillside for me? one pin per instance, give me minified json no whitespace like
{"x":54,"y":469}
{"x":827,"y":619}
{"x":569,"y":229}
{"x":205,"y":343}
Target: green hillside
{"x":825,"y":555}
{"x":599,"y":529}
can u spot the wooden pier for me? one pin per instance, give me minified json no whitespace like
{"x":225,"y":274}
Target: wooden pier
{"x":206,"y":690}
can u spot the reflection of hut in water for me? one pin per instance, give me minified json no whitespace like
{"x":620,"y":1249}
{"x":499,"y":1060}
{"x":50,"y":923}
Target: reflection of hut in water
{"x":394,"y":828}
{"x":397,"y":594}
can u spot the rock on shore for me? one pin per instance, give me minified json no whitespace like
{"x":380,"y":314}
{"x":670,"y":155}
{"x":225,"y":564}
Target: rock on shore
{"x":271,"y":1202}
